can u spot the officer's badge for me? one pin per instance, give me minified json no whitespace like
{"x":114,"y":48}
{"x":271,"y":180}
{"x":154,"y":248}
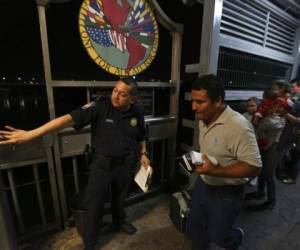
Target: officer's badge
{"x":133,"y":122}
{"x":88,"y":105}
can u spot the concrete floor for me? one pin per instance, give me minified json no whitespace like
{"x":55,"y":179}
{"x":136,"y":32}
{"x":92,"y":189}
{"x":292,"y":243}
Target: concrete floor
{"x":155,"y":231}
{"x":277,"y":229}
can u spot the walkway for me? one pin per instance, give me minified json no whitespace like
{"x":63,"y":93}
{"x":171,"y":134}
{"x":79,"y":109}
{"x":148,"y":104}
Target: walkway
{"x":277,"y":229}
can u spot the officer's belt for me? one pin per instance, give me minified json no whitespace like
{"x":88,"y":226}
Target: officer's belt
{"x":108,"y":162}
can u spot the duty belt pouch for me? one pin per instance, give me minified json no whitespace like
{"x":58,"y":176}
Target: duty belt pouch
{"x":179,"y":210}
{"x":88,"y":154}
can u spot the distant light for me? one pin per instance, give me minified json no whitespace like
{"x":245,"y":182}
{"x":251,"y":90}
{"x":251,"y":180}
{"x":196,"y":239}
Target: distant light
{"x":191,"y":3}
{"x":19,"y":78}
{"x":133,"y":77}
{"x":3,"y":78}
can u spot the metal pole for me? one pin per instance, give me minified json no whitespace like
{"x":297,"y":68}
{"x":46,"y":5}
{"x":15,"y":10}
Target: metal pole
{"x":48,"y":78}
{"x":7,"y":235}
{"x":174,"y":100}
{"x":296,"y":55}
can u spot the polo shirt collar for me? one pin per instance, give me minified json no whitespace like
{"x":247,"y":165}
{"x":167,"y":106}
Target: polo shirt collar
{"x":223,"y":117}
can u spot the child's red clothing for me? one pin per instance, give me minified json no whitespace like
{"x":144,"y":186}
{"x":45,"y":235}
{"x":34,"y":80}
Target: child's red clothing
{"x":266,"y":106}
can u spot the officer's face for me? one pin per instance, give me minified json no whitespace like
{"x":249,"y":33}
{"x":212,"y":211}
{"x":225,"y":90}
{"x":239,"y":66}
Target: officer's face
{"x":205,"y":109}
{"x":120,"y":97}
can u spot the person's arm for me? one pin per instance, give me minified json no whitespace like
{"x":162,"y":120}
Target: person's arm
{"x":238,"y":170}
{"x":291,"y":118}
{"x":288,"y":116}
{"x":144,"y":155}
{"x":18,"y":136}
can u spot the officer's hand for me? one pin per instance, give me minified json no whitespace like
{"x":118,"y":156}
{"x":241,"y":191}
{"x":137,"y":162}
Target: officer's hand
{"x":14,"y":136}
{"x":145,"y":162}
{"x":206,"y":167}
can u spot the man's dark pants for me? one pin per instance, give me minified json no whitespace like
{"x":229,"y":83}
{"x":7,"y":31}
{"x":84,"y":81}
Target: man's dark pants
{"x":213,"y":213}
{"x":116,"y":176}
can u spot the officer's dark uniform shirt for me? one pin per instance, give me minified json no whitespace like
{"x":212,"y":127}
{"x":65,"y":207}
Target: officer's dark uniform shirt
{"x":114,"y":133}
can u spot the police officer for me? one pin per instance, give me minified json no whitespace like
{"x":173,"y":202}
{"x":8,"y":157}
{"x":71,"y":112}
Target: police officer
{"x":118,"y":140}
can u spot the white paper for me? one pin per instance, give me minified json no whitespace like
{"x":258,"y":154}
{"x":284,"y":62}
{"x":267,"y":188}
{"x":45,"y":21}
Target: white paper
{"x":197,"y":158}
{"x":142,"y":177}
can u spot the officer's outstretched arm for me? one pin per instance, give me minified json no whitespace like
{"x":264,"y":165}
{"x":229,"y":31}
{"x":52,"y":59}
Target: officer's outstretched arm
{"x":18,"y":136}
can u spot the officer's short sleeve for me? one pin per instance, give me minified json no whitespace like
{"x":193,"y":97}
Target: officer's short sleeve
{"x":86,"y":114}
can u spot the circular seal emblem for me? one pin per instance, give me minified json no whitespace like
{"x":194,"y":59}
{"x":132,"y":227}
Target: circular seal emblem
{"x":133,"y":122}
{"x":121,"y":36}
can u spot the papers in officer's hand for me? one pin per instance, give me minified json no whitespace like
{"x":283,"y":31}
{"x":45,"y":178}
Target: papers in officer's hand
{"x":143,"y":178}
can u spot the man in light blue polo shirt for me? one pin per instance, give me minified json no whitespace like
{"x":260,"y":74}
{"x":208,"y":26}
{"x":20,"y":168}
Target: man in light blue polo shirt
{"x":228,"y":137}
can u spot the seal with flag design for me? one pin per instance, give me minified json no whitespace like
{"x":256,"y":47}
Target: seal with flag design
{"x":121,"y":36}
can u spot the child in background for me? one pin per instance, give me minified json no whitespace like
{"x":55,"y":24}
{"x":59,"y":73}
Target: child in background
{"x":270,"y":101}
{"x":269,"y":122}
{"x":251,"y":108}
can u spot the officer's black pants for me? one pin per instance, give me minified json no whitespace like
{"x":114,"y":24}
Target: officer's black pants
{"x":100,"y":180}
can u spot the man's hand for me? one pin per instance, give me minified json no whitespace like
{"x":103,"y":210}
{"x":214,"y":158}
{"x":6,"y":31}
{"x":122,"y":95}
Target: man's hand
{"x":238,"y":170}
{"x":282,"y":111}
{"x":256,"y":117}
{"x":15,"y":136}
{"x":206,"y":167}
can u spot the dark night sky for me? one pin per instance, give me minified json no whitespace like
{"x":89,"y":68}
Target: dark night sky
{"x":21,"y":56}
{"x":20,"y":46}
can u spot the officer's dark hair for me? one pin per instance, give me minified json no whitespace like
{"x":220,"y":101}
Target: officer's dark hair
{"x":132,"y":83}
{"x":213,"y":86}
{"x":282,"y":84}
